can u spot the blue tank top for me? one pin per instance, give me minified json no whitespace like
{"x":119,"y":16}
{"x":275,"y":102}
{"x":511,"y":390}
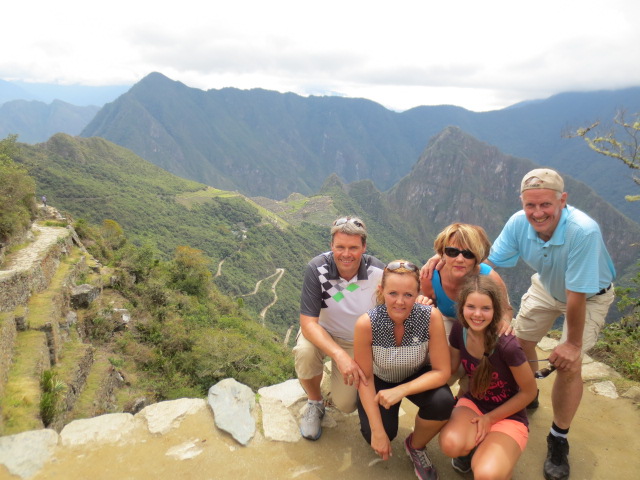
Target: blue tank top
{"x":447,"y":306}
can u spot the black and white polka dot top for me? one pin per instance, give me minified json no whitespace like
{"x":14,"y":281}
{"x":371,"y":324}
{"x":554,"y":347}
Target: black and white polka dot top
{"x":394,"y":363}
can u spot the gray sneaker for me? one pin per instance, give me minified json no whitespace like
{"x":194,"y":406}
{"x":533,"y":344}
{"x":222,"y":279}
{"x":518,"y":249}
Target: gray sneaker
{"x":422,"y":465}
{"x":311,"y":421}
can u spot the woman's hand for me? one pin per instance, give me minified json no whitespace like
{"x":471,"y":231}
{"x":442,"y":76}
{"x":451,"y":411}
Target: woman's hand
{"x":381,"y":444}
{"x":424,"y":300}
{"x":388,"y":398}
{"x":434,"y":263}
{"x":505,"y":328}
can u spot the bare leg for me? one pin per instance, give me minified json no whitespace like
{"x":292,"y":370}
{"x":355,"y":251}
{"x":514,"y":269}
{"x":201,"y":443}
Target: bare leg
{"x":566,"y":397}
{"x":495,"y":457}
{"x":457,"y":438}
{"x":529,"y":348}
{"x":424,"y":431}
{"x":312,"y":387}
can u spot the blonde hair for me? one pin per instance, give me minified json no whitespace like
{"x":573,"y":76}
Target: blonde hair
{"x":467,"y":237}
{"x":402,"y":270}
{"x":481,"y":377}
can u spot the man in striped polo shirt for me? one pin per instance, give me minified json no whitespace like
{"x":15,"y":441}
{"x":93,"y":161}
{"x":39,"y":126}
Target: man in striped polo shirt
{"x":338,"y":287}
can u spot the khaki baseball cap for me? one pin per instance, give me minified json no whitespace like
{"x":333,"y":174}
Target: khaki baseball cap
{"x":546,"y":178}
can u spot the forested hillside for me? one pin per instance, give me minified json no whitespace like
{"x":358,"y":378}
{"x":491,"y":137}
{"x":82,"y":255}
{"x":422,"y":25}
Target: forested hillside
{"x":246,"y":239}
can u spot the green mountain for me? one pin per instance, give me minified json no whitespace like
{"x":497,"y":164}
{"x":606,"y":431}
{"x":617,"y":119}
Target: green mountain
{"x":95,"y":180}
{"x":457,"y":178}
{"x":270,"y":144}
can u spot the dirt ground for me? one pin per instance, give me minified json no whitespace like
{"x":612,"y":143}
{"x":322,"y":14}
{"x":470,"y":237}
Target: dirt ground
{"x":604,"y":441}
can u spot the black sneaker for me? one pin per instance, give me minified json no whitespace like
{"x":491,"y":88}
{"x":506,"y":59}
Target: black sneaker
{"x":556,"y":466}
{"x":534,"y":403}
{"x":463,"y":464}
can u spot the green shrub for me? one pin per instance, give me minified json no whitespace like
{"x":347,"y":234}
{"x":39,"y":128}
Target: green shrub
{"x":52,"y":391}
{"x":619,"y":347}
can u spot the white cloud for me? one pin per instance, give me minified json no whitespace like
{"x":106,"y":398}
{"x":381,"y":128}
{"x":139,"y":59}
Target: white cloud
{"x":479,"y":55}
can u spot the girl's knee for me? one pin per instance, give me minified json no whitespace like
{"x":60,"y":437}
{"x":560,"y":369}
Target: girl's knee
{"x":483,"y":472}
{"x":491,"y":469}
{"x":451,"y":443}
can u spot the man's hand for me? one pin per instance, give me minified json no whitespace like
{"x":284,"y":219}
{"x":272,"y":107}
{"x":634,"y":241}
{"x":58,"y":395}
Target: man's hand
{"x":351,"y":372}
{"x":566,"y":357}
{"x":434,"y":263}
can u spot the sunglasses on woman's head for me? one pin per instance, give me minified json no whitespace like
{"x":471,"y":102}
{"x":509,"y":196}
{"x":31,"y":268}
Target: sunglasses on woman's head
{"x":342,"y":221}
{"x":393,"y":266}
{"x":454,"y":252}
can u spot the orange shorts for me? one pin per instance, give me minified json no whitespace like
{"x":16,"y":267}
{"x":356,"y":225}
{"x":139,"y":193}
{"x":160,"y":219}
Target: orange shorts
{"x":515,"y":429}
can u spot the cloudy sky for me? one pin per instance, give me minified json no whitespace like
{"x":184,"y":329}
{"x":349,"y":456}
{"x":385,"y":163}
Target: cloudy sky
{"x":481,"y":55}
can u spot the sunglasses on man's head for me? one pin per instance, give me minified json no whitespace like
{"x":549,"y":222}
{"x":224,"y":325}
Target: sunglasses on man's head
{"x":454,"y":252}
{"x":393,"y":266}
{"x":342,"y":221}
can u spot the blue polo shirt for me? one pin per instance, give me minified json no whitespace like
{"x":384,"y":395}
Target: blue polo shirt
{"x":575,"y":258}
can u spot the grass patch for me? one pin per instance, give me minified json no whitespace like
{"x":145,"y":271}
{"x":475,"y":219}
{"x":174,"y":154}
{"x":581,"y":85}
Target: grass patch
{"x":21,"y":400}
{"x":189,"y":199}
{"x":42,"y":305}
{"x":89,"y":403}
{"x":52,"y":223}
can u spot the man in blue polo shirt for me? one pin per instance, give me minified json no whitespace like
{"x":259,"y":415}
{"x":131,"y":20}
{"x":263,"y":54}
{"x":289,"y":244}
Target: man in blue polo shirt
{"x":574,"y":275}
{"x":338,"y":287}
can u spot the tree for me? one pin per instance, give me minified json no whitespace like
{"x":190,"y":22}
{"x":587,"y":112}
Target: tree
{"x":622,"y":141}
{"x":17,"y":192}
{"x":190,"y":272}
{"x":619,"y":345}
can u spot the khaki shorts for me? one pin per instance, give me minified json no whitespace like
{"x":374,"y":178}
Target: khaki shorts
{"x":309,"y":363}
{"x":539,"y":310}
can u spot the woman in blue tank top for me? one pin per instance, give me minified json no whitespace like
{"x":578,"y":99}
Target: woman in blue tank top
{"x":464,"y":248}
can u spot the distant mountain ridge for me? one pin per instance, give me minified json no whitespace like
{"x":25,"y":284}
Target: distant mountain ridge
{"x":80,"y":95}
{"x":34,"y":120}
{"x":270,"y":144}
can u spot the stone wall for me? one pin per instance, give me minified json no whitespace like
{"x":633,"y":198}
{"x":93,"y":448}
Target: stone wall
{"x":19,"y":280}
{"x":8,"y":334}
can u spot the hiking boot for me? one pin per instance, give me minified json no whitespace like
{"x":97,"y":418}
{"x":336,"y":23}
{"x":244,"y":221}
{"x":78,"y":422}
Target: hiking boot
{"x":311,"y":421}
{"x":534,"y":403}
{"x":421,"y":462}
{"x":463,"y":464}
{"x":556,"y":466}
